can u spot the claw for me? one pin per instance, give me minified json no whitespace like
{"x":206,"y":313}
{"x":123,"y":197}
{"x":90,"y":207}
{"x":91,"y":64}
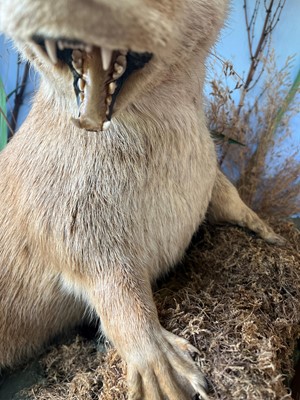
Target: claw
{"x":202,"y":393}
{"x":276,"y":240}
{"x":193,"y":352}
{"x":171,"y":373}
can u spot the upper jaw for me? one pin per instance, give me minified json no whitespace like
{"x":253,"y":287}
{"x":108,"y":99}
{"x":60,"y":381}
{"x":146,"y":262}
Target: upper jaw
{"x":135,"y":27}
{"x":99,"y":74}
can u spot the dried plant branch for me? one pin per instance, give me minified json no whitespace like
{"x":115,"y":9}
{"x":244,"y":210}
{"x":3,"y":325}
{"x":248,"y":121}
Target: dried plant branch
{"x":248,"y":26}
{"x":227,"y":65}
{"x":18,"y":99}
{"x":277,"y":15}
{"x":255,"y":167}
{"x":13,"y":92}
{"x":7,"y":122}
{"x":273,"y":9}
{"x":271,"y":20}
{"x":254,"y":18}
{"x":269,"y":186}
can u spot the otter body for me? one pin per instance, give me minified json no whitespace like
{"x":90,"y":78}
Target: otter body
{"x":99,"y":202}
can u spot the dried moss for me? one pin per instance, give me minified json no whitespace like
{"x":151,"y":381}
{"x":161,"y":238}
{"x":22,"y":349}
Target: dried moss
{"x":234,"y":297}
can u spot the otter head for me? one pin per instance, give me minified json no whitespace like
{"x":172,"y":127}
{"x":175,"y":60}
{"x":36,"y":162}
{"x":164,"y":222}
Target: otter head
{"x":98,"y":56}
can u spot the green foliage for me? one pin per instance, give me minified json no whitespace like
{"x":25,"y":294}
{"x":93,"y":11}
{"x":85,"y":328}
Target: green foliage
{"x":3,"y":119}
{"x":217,"y":136}
{"x":294,"y":90}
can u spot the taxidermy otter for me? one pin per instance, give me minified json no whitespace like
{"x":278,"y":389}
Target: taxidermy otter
{"x":109,"y":177}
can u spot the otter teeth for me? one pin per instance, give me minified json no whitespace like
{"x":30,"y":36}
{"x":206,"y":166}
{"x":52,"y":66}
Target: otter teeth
{"x":77,"y":57}
{"x":106,"y":125}
{"x":112,"y":87}
{"x":106,"y":55}
{"x":114,"y":64}
{"x":81,"y":84}
{"x":50,"y":46}
{"x":118,"y":71}
{"x":77,"y":61}
{"x":108,"y":100}
{"x":69,"y":44}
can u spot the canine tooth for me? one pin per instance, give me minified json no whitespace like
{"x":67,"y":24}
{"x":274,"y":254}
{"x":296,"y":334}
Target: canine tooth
{"x":112,"y":87}
{"x":51,"y":50}
{"x":81,"y":96}
{"x":60,"y":45}
{"x":81,"y":84}
{"x":106,"y":125}
{"x":106,"y":55}
{"x":107,"y":111}
{"x":108,"y":100}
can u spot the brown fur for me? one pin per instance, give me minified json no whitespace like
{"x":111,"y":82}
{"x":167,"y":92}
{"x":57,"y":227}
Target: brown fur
{"x":92,"y":219}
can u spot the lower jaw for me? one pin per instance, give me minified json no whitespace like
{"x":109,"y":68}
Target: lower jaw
{"x":98,"y":77}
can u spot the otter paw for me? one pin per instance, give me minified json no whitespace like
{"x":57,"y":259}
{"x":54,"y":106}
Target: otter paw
{"x":165,"y":370}
{"x":273,"y":238}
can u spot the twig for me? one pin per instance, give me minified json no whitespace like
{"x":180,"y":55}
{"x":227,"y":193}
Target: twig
{"x":276,"y":18}
{"x":7,"y":122}
{"x":226,"y":62}
{"x":13,"y":92}
{"x":268,"y":27}
{"x":262,"y":148}
{"x":18,"y":101}
{"x":270,"y":22}
{"x":248,"y":25}
{"x":254,"y":18}
{"x":259,"y":47}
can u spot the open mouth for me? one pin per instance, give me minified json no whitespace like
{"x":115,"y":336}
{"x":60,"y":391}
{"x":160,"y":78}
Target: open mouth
{"x":99,"y":75}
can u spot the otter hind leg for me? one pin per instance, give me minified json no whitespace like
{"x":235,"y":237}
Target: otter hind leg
{"x":227,"y":206}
